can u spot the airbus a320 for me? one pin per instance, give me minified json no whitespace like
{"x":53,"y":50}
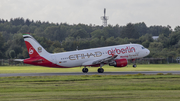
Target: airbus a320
{"x":116,"y":56}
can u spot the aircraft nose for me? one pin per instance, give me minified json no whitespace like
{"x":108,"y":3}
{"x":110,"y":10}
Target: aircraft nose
{"x":147,"y":52}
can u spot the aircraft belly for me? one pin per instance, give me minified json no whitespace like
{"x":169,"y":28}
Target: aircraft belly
{"x":76,"y":63}
{"x":71,"y":63}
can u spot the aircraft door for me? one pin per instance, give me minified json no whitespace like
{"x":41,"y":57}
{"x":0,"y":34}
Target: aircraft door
{"x":136,"y":52}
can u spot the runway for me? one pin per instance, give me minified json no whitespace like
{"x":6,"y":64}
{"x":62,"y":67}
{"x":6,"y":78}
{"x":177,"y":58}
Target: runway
{"x":89,"y":73}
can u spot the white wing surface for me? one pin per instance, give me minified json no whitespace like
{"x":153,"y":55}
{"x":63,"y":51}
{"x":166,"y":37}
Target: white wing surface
{"x":99,"y":61}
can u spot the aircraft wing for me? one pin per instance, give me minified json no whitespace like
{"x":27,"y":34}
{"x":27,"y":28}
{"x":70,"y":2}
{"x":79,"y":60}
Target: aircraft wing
{"x":99,"y":61}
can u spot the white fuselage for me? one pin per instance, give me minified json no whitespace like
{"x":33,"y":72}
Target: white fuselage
{"x":84,"y":57}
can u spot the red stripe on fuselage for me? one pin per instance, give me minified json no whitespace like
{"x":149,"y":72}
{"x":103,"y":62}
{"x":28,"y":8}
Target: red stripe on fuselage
{"x":40,"y":61}
{"x":36,"y":59}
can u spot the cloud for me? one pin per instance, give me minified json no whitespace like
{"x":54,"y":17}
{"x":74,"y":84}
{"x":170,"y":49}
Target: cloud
{"x":152,"y":12}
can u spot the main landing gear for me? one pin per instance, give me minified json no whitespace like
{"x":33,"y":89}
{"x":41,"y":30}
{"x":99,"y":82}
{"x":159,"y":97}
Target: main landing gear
{"x":85,"y":70}
{"x":100,"y":70}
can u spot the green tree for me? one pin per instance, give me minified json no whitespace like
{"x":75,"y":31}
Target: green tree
{"x":174,"y":38}
{"x":24,"y":29}
{"x":57,"y":50}
{"x":178,"y":51}
{"x":141,"y":28}
{"x":177,"y":29}
{"x":146,"y":43}
{"x":97,"y":34}
{"x":1,"y":41}
{"x":155,"y":45}
{"x":146,"y":37}
{"x":27,"y":22}
{"x":63,"y":35}
{"x":12,"y":54}
{"x":157,"y":30}
{"x":1,"y":46}
{"x":81,"y":33}
{"x":1,"y":55}
{"x":17,"y":21}
{"x":145,"y":40}
{"x":172,"y":54}
{"x":129,"y":31}
{"x":102,"y":41}
{"x":164,"y":40}
{"x":94,"y":43}
{"x":164,"y":53}
{"x":110,"y":41}
{"x":20,"y":56}
{"x":110,"y":31}
{"x":25,"y":53}
{"x":50,"y":32}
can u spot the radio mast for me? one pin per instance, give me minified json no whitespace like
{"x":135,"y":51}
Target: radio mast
{"x":104,"y":18}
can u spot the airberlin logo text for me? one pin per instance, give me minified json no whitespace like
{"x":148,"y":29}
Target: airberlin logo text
{"x":121,"y":51}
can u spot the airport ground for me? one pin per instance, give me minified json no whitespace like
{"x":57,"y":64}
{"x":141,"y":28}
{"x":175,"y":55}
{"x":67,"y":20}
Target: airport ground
{"x":137,"y":87}
{"x":39,"y":69}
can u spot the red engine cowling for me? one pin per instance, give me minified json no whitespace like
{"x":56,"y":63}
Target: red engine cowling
{"x":119,"y":63}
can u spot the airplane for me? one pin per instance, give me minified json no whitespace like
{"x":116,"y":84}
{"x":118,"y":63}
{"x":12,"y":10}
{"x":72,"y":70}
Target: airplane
{"x":116,"y":56}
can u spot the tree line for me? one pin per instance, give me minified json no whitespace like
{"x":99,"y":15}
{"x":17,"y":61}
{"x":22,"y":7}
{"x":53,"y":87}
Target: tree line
{"x":60,"y":37}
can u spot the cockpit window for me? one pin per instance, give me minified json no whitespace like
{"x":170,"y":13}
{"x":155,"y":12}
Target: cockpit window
{"x":143,"y":48}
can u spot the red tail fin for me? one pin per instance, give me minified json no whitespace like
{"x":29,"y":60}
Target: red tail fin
{"x":33,"y":47}
{"x":32,"y":52}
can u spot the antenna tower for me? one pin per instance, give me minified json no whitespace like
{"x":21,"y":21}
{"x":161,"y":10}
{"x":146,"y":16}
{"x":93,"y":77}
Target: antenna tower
{"x":104,"y":18}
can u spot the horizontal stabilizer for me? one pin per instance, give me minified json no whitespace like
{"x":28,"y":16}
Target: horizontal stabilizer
{"x":20,"y":60}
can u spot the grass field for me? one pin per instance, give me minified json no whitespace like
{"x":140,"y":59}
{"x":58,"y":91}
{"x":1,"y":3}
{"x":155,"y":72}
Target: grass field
{"x":38,"y":69}
{"x":91,"y":88}
{"x":138,"y":87}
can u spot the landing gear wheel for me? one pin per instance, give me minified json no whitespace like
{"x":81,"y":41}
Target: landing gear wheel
{"x":85,"y":70}
{"x":100,"y":70}
{"x":134,"y":65}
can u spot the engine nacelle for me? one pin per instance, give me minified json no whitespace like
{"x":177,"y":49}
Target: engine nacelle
{"x":119,"y":63}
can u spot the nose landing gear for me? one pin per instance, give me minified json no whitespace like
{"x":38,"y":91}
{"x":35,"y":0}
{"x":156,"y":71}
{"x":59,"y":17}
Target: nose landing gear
{"x":134,"y":63}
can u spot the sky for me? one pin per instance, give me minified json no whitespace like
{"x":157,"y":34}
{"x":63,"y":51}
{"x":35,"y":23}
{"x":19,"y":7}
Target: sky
{"x":121,"y":12}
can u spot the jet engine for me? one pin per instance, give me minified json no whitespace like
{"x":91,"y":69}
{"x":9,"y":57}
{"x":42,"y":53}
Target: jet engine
{"x":119,"y":63}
